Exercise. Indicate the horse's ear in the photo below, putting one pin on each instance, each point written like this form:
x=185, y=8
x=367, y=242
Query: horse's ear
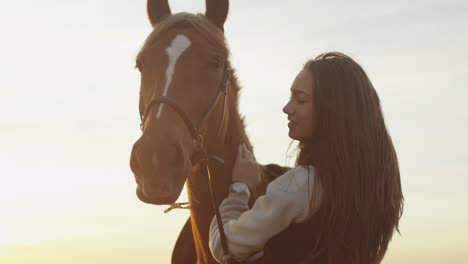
x=157, y=10
x=216, y=11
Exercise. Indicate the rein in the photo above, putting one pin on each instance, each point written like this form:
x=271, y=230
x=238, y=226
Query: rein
x=200, y=154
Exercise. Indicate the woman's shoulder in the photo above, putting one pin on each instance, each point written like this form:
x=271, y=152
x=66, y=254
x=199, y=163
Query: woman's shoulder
x=300, y=172
x=304, y=170
x=294, y=180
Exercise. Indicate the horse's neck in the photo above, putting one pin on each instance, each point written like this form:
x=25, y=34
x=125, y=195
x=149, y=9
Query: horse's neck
x=201, y=212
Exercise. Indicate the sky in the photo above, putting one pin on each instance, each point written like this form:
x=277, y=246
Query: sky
x=69, y=117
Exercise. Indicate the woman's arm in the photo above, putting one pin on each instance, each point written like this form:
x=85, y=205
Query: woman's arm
x=247, y=231
x=269, y=173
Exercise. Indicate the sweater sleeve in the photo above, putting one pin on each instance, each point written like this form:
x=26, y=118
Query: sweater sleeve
x=286, y=201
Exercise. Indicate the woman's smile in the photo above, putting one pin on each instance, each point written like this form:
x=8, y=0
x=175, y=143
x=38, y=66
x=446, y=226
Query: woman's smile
x=292, y=124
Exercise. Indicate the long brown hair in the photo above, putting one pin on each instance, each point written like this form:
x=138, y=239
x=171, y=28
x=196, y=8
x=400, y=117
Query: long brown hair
x=356, y=164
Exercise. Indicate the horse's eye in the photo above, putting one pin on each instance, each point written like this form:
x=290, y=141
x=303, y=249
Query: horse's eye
x=216, y=63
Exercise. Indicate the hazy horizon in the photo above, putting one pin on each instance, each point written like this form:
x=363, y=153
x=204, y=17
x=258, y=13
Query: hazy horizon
x=69, y=117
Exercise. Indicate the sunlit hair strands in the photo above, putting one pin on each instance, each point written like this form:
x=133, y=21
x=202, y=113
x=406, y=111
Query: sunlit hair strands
x=356, y=164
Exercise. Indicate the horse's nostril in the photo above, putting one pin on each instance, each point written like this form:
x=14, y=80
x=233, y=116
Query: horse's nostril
x=140, y=160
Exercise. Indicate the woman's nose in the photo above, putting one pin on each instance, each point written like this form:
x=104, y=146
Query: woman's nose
x=287, y=109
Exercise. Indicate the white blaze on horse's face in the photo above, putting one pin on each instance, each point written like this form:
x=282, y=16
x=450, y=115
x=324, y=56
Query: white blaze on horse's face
x=178, y=46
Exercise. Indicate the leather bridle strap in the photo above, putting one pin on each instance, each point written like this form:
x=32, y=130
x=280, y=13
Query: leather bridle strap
x=226, y=258
x=167, y=100
x=190, y=125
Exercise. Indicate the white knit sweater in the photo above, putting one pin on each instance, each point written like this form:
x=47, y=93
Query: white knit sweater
x=288, y=200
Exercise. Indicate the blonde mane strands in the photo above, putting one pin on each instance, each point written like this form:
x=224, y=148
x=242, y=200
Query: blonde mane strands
x=356, y=164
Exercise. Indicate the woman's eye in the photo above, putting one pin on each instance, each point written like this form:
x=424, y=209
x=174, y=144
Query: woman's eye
x=301, y=100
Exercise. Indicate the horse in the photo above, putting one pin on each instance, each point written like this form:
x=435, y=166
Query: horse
x=187, y=79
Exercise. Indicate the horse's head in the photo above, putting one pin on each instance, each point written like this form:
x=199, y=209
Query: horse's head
x=183, y=66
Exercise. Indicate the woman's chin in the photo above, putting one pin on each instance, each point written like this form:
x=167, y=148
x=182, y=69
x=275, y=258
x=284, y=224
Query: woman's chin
x=292, y=135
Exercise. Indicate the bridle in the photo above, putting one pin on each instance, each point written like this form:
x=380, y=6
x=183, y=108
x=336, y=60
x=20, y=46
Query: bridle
x=200, y=153
x=194, y=130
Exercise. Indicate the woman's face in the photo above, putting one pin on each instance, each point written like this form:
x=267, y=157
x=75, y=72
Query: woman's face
x=300, y=108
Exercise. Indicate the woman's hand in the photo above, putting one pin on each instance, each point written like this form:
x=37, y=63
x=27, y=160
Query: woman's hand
x=246, y=169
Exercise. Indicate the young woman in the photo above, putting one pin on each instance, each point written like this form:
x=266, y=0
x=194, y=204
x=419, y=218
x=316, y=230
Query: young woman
x=345, y=191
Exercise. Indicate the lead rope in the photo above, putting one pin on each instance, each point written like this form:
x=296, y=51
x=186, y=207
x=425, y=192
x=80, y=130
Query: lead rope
x=226, y=258
x=184, y=205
